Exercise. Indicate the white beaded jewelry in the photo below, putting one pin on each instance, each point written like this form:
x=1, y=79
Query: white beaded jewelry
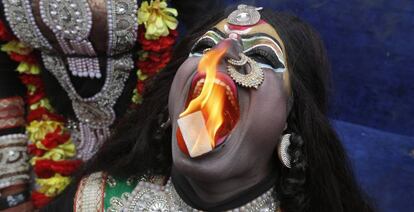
x=14, y=166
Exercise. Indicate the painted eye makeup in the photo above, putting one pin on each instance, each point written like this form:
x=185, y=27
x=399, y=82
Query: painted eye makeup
x=202, y=45
x=265, y=55
x=265, y=50
x=208, y=40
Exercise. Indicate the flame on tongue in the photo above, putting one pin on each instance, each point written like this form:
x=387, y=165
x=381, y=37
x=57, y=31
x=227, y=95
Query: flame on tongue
x=201, y=120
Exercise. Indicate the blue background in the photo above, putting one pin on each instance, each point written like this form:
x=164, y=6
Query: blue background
x=370, y=44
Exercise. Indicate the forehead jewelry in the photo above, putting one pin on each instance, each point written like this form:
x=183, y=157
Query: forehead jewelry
x=251, y=80
x=244, y=15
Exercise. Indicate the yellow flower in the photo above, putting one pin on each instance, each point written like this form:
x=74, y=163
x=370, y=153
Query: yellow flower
x=31, y=89
x=42, y=103
x=38, y=129
x=141, y=76
x=16, y=47
x=54, y=185
x=61, y=152
x=157, y=18
x=28, y=68
x=136, y=97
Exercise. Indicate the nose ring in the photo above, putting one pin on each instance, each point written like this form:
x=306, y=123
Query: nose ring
x=253, y=79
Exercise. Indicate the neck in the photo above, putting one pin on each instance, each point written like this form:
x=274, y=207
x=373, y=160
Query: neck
x=228, y=193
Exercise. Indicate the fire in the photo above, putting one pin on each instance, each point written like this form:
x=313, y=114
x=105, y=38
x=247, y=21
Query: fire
x=211, y=100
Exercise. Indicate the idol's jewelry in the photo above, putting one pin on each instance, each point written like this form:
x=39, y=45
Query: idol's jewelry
x=72, y=30
x=95, y=114
x=152, y=197
x=241, y=62
x=22, y=22
x=253, y=79
x=244, y=15
x=14, y=199
x=11, y=102
x=11, y=112
x=12, y=122
x=14, y=166
x=122, y=25
x=71, y=22
x=283, y=150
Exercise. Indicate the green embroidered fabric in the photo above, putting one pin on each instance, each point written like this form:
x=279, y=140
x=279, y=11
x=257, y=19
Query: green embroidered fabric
x=117, y=189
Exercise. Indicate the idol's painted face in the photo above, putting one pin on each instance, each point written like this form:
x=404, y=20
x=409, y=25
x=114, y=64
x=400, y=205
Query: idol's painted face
x=253, y=118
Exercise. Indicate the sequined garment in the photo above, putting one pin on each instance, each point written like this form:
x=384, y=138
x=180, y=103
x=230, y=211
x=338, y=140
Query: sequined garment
x=151, y=196
x=85, y=39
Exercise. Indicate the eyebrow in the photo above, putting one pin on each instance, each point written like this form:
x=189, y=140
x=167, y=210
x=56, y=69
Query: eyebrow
x=222, y=34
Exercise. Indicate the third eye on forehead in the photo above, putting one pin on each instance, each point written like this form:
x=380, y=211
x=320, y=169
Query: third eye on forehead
x=259, y=46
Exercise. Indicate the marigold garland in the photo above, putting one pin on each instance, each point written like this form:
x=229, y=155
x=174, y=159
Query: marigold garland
x=50, y=146
x=157, y=18
x=48, y=139
x=156, y=35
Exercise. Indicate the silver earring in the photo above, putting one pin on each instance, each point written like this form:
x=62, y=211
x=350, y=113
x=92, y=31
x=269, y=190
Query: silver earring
x=282, y=150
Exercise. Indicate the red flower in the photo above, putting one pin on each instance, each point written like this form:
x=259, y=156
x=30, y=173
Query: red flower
x=30, y=58
x=33, y=150
x=47, y=168
x=140, y=87
x=159, y=45
x=5, y=35
x=55, y=138
x=42, y=113
x=34, y=80
x=39, y=200
x=37, y=96
x=154, y=63
x=168, y=41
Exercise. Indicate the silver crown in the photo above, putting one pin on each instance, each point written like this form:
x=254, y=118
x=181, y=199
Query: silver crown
x=244, y=15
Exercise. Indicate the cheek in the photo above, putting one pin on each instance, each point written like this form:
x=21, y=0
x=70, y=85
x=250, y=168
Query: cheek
x=182, y=76
x=270, y=102
x=185, y=71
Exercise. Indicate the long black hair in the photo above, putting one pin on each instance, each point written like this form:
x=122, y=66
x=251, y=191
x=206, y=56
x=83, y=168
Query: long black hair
x=320, y=178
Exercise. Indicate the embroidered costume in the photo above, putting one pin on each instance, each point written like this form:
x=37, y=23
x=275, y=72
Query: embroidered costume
x=100, y=192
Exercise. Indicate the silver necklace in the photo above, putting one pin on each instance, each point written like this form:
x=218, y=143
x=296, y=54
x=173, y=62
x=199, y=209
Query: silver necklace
x=122, y=25
x=95, y=114
x=152, y=197
x=20, y=17
x=71, y=22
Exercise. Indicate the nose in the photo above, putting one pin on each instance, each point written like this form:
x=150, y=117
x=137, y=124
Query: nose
x=234, y=49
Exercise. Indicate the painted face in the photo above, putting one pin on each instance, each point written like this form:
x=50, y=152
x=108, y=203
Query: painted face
x=254, y=118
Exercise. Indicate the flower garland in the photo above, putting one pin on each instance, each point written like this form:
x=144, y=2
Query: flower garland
x=49, y=142
x=156, y=35
x=50, y=145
